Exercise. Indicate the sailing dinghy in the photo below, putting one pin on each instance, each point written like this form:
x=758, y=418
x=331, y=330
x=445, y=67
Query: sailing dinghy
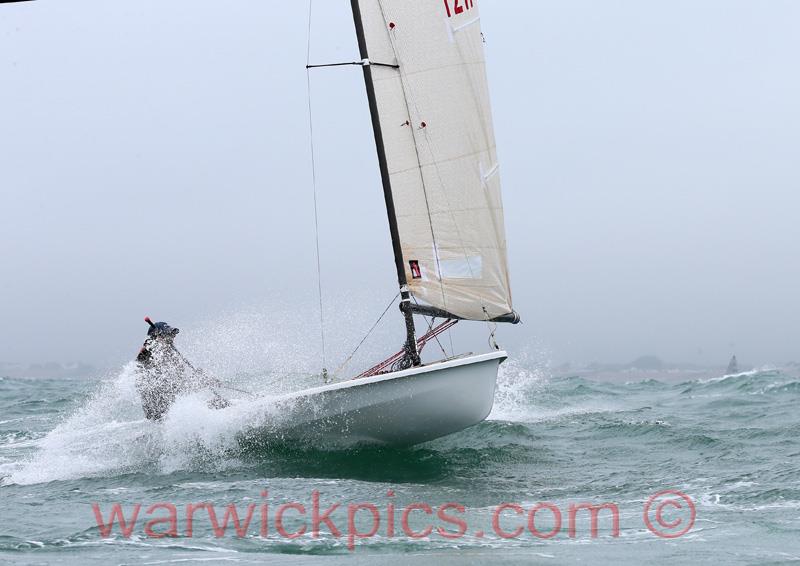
x=425, y=77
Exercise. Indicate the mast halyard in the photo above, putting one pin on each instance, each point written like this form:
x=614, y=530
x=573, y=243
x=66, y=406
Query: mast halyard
x=411, y=357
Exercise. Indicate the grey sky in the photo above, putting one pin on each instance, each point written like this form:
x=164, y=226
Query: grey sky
x=154, y=160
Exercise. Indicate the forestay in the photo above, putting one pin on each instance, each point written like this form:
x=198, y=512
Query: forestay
x=437, y=130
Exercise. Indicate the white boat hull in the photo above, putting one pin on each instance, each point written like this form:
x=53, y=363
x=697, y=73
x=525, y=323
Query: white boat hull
x=399, y=409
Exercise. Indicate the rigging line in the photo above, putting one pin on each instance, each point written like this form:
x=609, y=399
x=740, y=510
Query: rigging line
x=332, y=65
x=374, y=326
x=436, y=336
x=314, y=186
x=450, y=336
x=218, y=381
x=359, y=63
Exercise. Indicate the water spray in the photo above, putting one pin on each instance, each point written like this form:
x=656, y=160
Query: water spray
x=218, y=381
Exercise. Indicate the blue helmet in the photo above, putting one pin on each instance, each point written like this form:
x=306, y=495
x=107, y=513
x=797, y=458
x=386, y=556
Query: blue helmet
x=160, y=329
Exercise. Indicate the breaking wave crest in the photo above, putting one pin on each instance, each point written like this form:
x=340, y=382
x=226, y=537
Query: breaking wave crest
x=109, y=435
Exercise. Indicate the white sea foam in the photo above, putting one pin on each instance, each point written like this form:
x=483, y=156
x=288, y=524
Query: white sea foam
x=519, y=383
x=750, y=373
x=525, y=393
x=109, y=434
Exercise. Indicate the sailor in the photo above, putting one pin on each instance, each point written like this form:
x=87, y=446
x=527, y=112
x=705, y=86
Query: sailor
x=163, y=373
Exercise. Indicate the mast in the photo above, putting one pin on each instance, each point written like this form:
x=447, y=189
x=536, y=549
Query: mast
x=410, y=347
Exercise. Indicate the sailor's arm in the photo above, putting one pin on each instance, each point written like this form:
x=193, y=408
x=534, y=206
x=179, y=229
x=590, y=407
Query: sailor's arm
x=145, y=355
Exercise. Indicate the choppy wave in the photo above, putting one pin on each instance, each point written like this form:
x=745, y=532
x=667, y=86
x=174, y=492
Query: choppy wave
x=106, y=435
x=732, y=443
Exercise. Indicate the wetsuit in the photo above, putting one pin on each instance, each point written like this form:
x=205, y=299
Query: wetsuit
x=162, y=375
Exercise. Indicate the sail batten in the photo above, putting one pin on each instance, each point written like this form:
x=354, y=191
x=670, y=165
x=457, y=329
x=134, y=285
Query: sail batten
x=443, y=172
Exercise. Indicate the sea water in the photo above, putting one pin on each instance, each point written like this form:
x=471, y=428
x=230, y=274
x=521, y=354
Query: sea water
x=518, y=488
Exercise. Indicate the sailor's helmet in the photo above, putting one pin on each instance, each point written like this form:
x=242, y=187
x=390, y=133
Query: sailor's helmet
x=160, y=329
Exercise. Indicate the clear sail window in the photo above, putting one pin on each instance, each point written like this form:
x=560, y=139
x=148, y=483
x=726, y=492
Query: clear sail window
x=470, y=267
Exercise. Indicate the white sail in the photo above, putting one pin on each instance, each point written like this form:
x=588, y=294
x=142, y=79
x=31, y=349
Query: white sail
x=439, y=142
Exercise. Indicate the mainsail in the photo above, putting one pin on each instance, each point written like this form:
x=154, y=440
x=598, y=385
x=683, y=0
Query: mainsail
x=432, y=117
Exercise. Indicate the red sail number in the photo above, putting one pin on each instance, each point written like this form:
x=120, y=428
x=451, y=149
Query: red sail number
x=455, y=7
